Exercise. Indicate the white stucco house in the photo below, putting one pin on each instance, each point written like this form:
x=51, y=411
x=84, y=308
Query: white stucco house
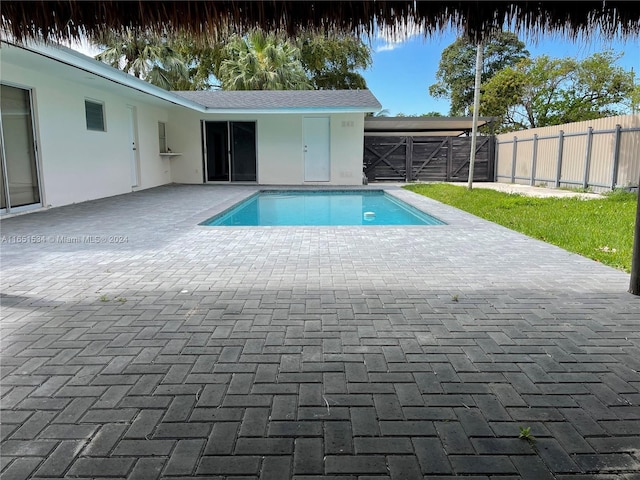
x=74, y=129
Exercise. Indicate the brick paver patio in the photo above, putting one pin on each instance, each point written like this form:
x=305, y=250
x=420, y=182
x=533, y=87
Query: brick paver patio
x=180, y=351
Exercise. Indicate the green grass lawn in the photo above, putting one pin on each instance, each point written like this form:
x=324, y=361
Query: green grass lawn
x=598, y=229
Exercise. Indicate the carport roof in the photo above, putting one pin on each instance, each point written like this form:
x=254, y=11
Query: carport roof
x=421, y=126
x=252, y=100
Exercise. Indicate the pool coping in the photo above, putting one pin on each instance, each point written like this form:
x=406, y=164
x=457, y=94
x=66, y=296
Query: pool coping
x=403, y=203
x=451, y=216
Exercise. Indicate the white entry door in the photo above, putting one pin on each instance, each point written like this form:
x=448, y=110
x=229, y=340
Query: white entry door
x=317, y=158
x=133, y=146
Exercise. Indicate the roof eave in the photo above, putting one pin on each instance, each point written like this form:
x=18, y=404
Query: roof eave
x=292, y=110
x=87, y=64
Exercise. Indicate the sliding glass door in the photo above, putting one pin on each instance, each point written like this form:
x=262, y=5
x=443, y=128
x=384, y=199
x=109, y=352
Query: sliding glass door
x=230, y=151
x=19, y=176
x=217, y=151
x=243, y=151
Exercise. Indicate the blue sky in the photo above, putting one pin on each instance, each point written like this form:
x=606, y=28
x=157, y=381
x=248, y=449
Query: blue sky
x=402, y=72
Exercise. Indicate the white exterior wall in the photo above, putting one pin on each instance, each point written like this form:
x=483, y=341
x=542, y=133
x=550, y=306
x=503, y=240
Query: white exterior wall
x=77, y=164
x=347, y=148
x=280, y=147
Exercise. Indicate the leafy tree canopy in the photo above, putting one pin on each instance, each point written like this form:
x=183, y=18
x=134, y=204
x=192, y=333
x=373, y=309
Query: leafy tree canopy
x=456, y=70
x=332, y=61
x=146, y=56
x=203, y=60
x=551, y=91
x=327, y=61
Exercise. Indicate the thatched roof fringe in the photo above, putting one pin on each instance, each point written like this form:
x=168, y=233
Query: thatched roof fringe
x=69, y=19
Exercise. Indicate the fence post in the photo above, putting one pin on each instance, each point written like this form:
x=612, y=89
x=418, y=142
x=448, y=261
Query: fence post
x=513, y=159
x=534, y=160
x=559, y=162
x=616, y=157
x=587, y=159
x=408, y=173
x=449, y=158
x=492, y=157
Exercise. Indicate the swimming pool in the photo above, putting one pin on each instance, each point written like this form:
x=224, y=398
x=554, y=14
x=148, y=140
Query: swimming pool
x=321, y=208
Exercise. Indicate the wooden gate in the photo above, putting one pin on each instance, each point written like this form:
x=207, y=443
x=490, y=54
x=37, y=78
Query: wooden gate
x=443, y=159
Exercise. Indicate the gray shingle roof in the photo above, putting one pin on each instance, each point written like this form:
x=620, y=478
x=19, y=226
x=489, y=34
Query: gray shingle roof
x=286, y=99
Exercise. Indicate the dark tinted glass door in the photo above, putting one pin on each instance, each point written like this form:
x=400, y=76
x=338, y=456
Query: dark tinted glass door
x=243, y=151
x=217, y=137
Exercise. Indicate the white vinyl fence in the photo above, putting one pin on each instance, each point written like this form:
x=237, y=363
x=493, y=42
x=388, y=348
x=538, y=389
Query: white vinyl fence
x=599, y=154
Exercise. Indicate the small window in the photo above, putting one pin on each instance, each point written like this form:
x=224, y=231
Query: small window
x=162, y=136
x=95, y=115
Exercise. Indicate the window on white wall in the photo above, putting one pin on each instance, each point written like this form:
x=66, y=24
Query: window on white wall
x=94, y=112
x=162, y=136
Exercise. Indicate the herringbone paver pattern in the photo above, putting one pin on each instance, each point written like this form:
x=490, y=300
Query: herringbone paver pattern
x=275, y=353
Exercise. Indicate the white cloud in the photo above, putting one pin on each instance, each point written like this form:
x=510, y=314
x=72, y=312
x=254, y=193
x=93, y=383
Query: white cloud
x=387, y=47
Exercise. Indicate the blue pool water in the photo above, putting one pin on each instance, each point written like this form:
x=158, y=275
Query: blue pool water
x=326, y=208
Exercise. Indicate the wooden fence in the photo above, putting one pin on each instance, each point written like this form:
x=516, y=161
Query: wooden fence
x=423, y=158
x=599, y=155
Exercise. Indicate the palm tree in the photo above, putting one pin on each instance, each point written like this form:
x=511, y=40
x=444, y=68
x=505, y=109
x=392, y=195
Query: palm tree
x=261, y=61
x=146, y=56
